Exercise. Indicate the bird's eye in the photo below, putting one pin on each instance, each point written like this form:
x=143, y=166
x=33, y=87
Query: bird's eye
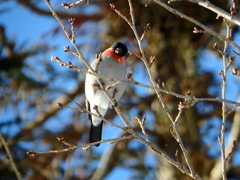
x=118, y=51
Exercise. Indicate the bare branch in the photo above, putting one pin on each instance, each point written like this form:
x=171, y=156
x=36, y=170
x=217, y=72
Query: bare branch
x=141, y=123
x=177, y=136
x=220, y=12
x=78, y=16
x=232, y=150
x=234, y=137
x=168, y=158
x=62, y=140
x=69, y=5
x=10, y=159
x=98, y=115
x=84, y=147
x=134, y=82
x=208, y=30
x=224, y=113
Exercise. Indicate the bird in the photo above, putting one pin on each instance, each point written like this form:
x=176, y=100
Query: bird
x=110, y=64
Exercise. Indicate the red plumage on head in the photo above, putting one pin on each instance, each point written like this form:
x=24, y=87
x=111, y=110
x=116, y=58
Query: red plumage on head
x=110, y=52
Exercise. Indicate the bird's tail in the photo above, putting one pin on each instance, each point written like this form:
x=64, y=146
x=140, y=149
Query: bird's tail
x=95, y=133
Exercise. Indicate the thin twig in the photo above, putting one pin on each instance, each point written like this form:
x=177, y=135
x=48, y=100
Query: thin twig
x=232, y=150
x=9, y=156
x=84, y=110
x=180, y=142
x=176, y=163
x=69, y=5
x=83, y=146
x=62, y=140
x=224, y=108
x=220, y=12
x=134, y=82
x=230, y=147
x=174, y=11
x=141, y=123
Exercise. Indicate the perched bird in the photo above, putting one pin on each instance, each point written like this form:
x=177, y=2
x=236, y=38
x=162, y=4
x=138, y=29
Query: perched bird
x=110, y=64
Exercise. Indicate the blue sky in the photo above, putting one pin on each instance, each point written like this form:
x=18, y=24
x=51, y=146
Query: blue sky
x=22, y=24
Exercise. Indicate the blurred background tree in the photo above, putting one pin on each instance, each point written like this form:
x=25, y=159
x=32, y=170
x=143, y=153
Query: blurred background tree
x=32, y=85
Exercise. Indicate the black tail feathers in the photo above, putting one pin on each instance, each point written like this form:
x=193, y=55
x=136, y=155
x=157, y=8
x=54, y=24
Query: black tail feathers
x=95, y=133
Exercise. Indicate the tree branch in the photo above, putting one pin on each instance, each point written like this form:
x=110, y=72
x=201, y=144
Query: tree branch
x=234, y=137
x=220, y=12
x=208, y=30
x=85, y=147
x=224, y=113
x=80, y=17
x=10, y=159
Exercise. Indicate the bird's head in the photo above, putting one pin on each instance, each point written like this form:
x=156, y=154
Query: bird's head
x=118, y=51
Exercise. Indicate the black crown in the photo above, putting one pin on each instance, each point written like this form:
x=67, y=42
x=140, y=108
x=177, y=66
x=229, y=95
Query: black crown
x=120, y=49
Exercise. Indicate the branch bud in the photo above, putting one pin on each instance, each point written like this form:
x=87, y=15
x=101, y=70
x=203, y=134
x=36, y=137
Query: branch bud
x=112, y=6
x=66, y=5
